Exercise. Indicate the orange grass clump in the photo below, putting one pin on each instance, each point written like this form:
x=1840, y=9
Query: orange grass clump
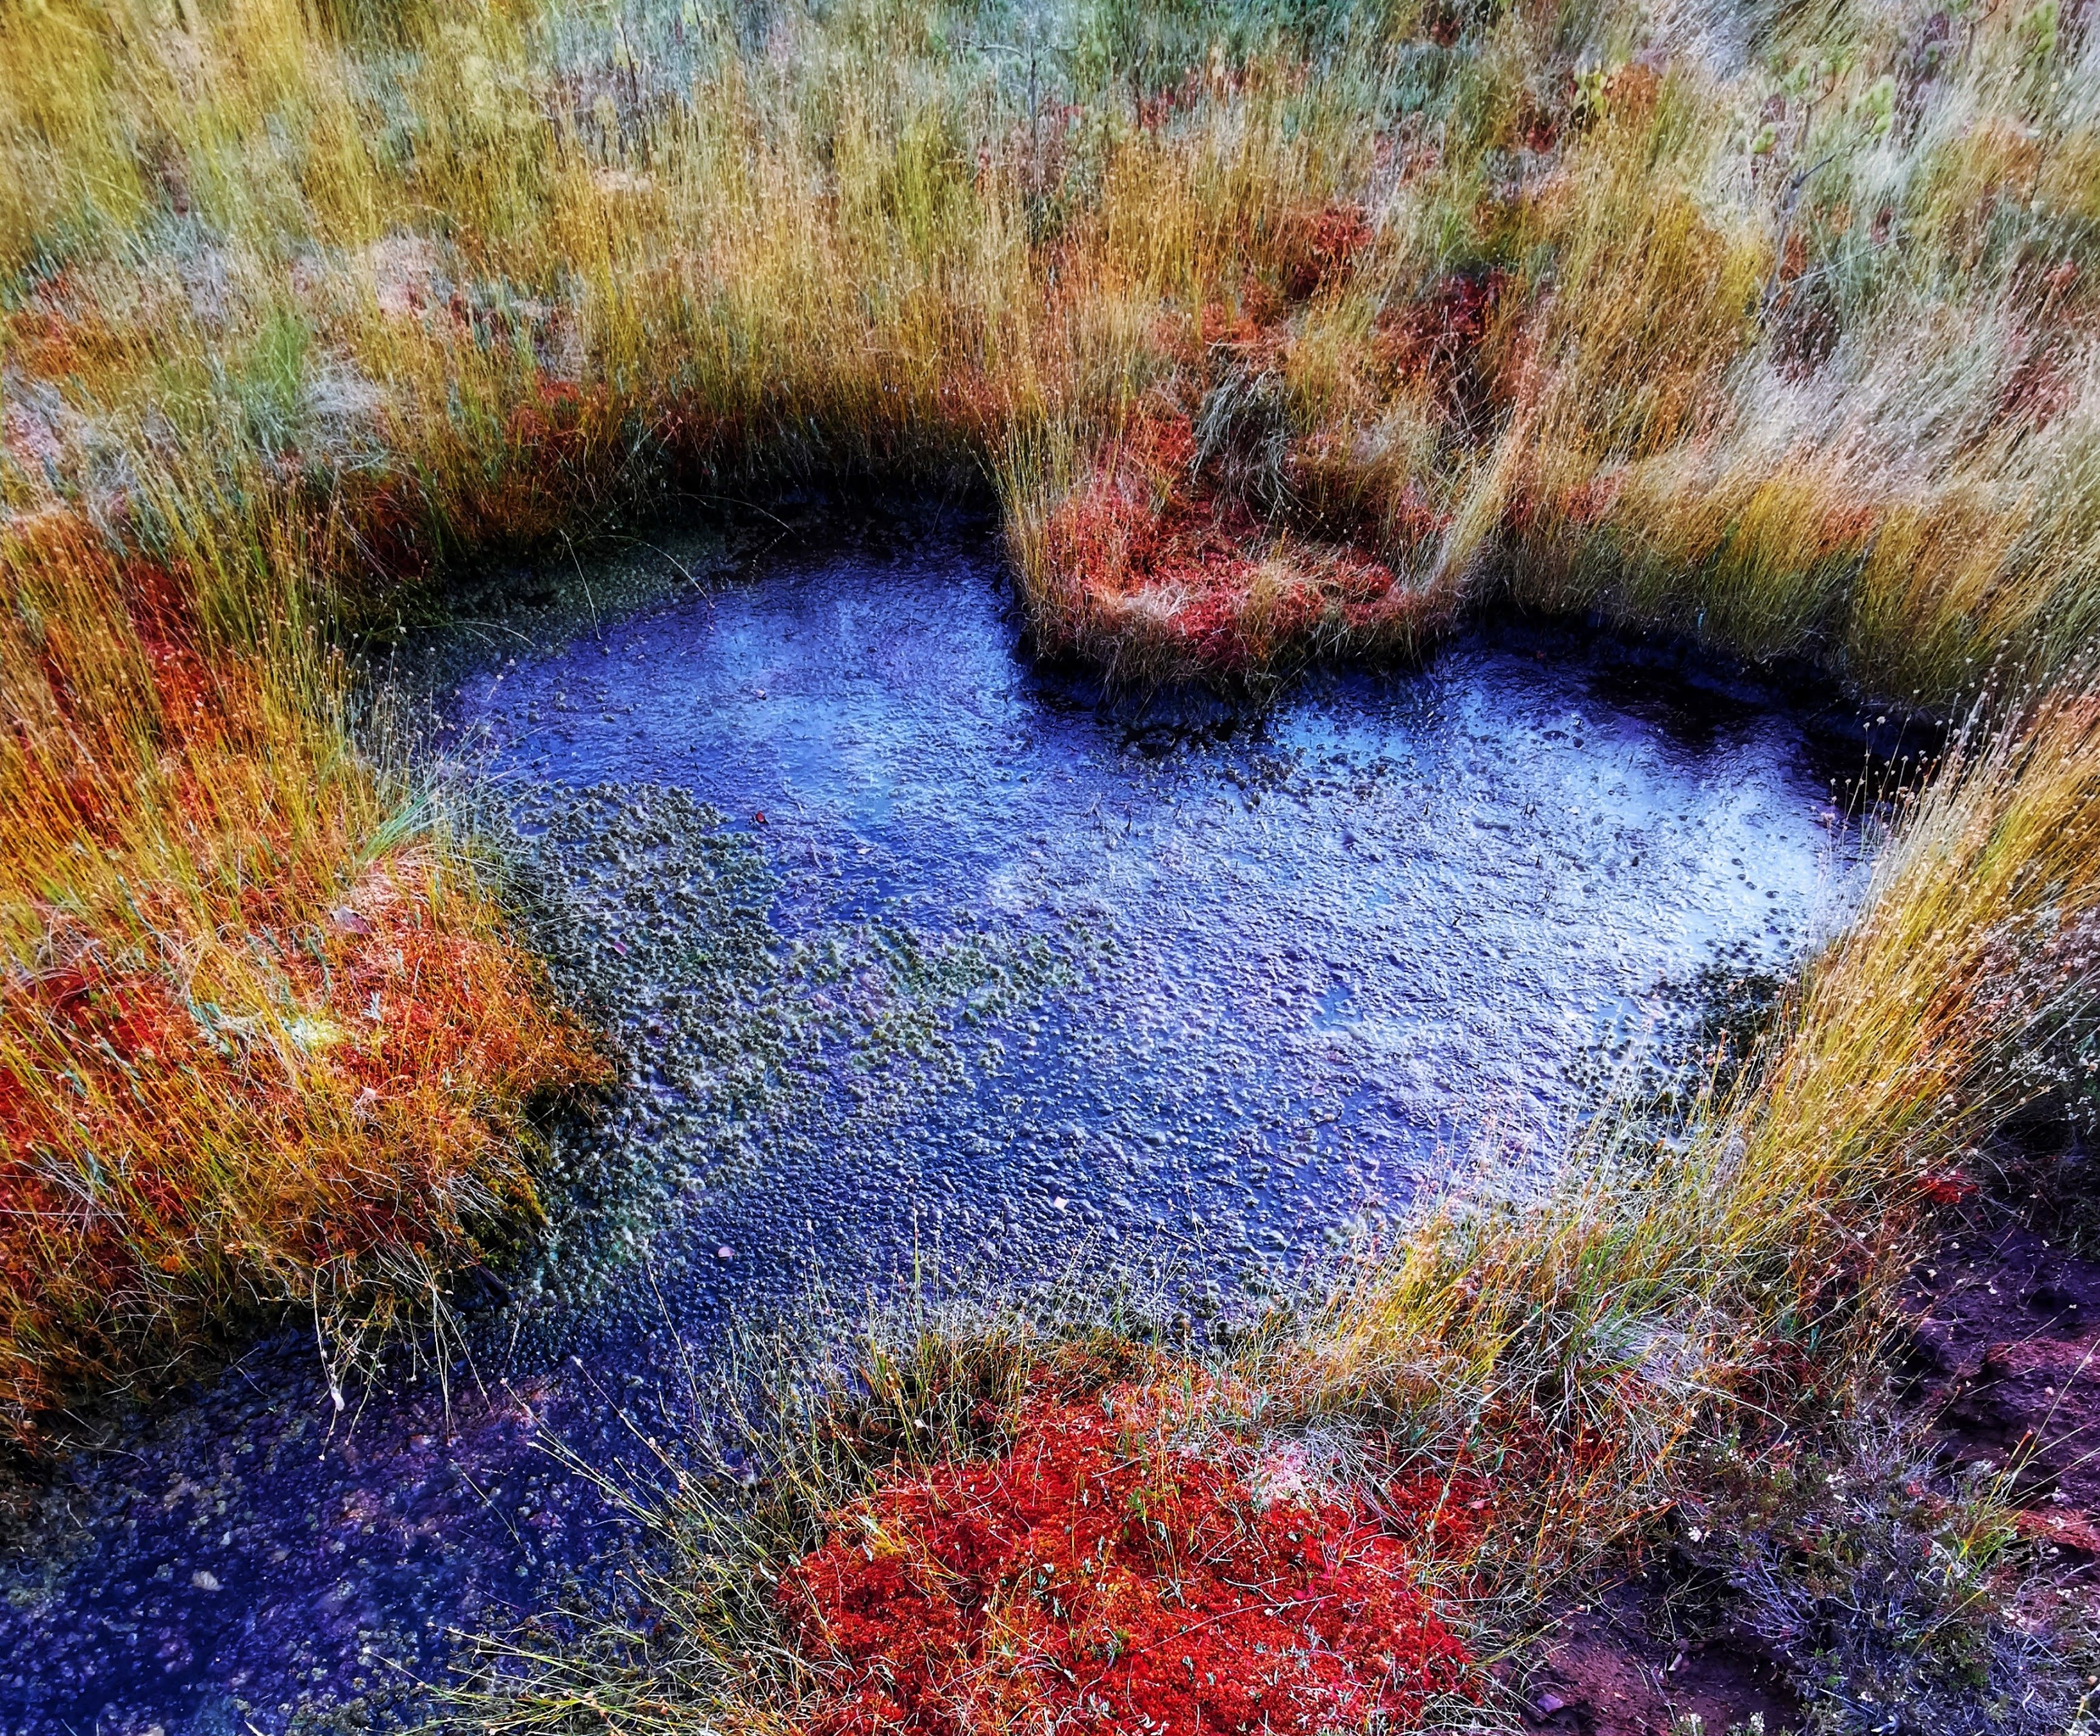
x=253, y=1048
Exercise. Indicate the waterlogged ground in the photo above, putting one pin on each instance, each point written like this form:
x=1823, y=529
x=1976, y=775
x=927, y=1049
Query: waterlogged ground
x=923, y=960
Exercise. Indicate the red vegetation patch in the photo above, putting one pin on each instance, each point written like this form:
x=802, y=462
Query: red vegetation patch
x=158, y=1151
x=1095, y=1575
x=1538, y=128
x=1319, y=247
x=1444, y=21
x=1147, y=554
x=1437, y=338
x=1159, y=108
x=1948, y=1187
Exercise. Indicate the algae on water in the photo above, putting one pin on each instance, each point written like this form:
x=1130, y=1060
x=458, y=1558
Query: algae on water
x=657, y=916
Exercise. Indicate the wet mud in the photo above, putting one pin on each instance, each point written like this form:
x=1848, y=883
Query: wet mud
x=926, y=966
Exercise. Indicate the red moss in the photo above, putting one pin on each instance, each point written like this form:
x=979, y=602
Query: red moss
x=215, y=1162
x=1443, y=22
x=1096, y=1575
x=1319, y=247
x=1145, y=550
x=1538, y=128
x=2044, y=385
x=1159, y=108
x=1437, y=338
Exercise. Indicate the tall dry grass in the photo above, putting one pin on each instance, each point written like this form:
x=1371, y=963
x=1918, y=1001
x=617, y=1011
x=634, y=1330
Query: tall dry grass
x=1781, y=327
x=263, y=1036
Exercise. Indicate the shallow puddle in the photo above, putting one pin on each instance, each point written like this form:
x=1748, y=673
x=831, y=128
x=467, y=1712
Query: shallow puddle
x=924, y=960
